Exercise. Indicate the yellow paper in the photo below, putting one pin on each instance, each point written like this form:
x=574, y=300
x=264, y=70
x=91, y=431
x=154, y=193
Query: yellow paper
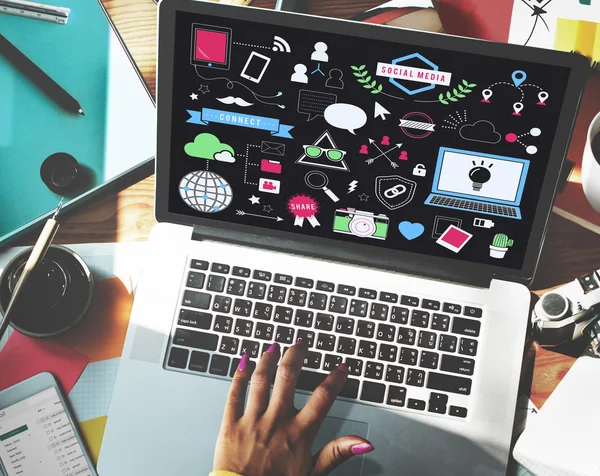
x=92, y=432
x=580, y=36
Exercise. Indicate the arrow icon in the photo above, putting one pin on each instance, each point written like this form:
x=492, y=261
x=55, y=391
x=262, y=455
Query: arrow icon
x=383, y=154
x=380, y=111
x=242, y=213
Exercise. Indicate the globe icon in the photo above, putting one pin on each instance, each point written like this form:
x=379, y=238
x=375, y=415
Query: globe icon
x=205, y=191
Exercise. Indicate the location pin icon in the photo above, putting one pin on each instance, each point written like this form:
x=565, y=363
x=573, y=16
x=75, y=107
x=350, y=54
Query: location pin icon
x=542, y=97
x=519, y=77
x=487, y=94
x=518, y=107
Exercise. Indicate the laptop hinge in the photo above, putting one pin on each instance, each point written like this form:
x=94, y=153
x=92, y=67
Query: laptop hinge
x=414, y=267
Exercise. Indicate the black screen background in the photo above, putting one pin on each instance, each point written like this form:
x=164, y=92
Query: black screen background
x=343, y=52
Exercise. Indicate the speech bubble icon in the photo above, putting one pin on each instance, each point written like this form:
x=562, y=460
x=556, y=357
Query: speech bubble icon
x=314, y=103
x=345, y=116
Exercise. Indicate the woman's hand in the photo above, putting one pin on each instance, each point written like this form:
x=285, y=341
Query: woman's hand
x=270, y=437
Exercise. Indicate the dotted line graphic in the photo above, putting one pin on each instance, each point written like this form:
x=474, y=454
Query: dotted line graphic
x=455, y=121
x=512, y=86
x=531, y=86
x=252, y=46
x=246, y=164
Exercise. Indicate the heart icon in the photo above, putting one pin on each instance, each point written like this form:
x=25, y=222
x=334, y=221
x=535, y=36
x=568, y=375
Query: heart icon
x=410, y=231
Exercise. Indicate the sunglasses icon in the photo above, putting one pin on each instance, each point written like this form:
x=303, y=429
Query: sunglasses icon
x=314, y=151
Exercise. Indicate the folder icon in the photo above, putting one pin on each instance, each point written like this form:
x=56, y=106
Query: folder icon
x=270, y=166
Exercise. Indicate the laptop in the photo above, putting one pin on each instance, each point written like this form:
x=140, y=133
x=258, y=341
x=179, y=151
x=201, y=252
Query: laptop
x=479, y=183
x=295, y=155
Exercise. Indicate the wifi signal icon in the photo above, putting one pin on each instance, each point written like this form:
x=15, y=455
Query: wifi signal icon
x=279, y=44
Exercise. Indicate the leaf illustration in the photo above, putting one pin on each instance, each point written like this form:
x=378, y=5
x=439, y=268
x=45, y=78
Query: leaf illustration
x=358, y=75
x=375, y=91
x=355, y=68
x=367, y=86
x=472, y=85
x=460, y=87
x=460, y=95
x=362, y=81
x=374, y=83
x=465, y=82
x=379, y=88
x=448, y=95
x=454, y=91
x=467, y=90
x=362, y=67
x=444, y=102
x=441, y=97
x=453, y=99
x=368, y=78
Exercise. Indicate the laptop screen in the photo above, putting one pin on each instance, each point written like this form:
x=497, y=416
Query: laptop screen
x=388, y=145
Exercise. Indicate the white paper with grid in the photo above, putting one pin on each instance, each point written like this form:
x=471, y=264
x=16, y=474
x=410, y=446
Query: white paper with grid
x=90, y=397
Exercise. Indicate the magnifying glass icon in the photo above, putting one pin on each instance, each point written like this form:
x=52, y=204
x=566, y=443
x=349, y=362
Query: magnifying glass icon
x=318, y=180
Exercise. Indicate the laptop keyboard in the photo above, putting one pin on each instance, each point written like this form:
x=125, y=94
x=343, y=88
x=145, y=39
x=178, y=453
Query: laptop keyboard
x=406, y=352
x=474, y=206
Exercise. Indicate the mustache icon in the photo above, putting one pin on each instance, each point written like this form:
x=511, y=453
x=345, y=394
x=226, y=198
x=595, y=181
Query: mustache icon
x=235, y=100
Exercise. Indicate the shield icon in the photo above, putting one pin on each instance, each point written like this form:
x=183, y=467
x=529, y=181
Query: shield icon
x=394, y=191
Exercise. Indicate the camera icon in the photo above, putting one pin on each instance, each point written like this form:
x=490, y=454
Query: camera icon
x=350, y=221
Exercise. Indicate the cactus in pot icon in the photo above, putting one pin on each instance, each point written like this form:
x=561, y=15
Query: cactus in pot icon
x=500, y=246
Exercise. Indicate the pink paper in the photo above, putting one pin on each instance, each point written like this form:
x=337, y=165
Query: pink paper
x=23, y=357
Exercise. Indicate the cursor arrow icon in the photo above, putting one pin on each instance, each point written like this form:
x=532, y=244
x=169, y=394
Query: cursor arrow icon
x=380, y=111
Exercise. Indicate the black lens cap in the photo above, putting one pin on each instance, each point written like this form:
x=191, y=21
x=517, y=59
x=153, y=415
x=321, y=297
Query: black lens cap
x=60, y=172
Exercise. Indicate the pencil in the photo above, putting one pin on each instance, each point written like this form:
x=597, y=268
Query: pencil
x=38, y=77
x=37, y=255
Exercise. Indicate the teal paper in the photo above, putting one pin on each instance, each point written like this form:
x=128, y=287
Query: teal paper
x=33, y=126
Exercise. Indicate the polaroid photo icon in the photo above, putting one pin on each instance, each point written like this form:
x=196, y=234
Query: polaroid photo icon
x=211, y=46
x=454, y=239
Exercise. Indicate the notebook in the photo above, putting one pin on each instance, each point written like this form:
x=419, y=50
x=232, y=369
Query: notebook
x=563, y=439
x=116, y=135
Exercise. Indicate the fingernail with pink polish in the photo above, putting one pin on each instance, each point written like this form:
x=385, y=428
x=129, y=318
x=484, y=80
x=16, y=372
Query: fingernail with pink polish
x=243, y=362
x=273, y=347
x=362, y=449
x=343, y=367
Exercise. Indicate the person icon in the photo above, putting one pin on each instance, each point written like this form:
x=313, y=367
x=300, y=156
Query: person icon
x=364, y=150
x=335, y=79
x=320, y=53
x=403, y=155
x=299, y=75
x=385, y=140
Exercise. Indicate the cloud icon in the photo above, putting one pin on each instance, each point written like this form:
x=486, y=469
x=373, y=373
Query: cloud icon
x=225, y=156
x=207, y=146
x=481, y=131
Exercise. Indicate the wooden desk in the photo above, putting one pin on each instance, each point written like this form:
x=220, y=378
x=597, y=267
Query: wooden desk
x=569, y=251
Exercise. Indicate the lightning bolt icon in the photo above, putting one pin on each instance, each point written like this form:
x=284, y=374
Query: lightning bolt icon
x=352, y=186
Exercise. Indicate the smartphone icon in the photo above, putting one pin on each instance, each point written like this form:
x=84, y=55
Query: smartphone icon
x=255, y=67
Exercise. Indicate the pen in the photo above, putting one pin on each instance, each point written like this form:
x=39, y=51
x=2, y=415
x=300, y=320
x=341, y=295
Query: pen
x=37, y=255
x=38, y=77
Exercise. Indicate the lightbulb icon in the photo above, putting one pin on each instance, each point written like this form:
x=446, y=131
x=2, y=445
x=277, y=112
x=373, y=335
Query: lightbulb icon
x=479, y=175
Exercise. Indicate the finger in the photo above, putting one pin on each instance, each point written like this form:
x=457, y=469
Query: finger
x=289, y=368
x=234, y=406
x=336, y=452
x=260, y=384
x=323, y=397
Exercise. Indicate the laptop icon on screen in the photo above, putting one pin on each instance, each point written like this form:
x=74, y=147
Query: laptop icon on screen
x=479, y=183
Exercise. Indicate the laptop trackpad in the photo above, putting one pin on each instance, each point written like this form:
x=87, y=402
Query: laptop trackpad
x=333, y=428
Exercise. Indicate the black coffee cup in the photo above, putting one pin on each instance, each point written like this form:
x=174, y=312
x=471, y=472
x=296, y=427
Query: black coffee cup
x=55, y=298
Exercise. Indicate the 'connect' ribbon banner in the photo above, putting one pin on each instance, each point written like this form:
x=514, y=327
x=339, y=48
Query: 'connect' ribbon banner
x=218, y=116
